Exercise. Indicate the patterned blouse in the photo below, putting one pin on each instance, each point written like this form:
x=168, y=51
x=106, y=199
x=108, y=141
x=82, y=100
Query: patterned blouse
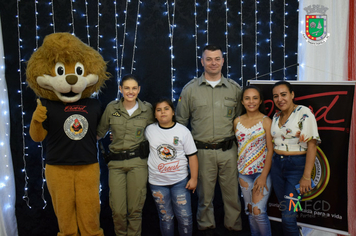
x=301, y=122
x=252, y=149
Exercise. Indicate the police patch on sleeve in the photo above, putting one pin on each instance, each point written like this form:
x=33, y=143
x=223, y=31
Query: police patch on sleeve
x=76, y=127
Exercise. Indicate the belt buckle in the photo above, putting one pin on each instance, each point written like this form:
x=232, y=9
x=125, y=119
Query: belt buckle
x=125, y=155
x=213, y=145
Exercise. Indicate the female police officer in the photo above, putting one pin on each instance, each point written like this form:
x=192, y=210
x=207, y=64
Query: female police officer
x=127, y=162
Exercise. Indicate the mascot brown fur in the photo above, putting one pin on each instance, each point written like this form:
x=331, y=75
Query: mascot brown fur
x=64, y=72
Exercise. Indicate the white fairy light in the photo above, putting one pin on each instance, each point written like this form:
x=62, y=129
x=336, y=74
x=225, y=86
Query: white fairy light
x=36, y=24
x=207, y=21
x=52, y=14
x=72, y=15
x=123, y=45
x=227, y=40
x=171, y=26
x=87, y=21
x=256, y=40
x=20, y=91
x=135, y=37
x=98, y=28
x=241, y=44
x=196, y=39
x=117, y=50
x=284, y=39
x=270, y=40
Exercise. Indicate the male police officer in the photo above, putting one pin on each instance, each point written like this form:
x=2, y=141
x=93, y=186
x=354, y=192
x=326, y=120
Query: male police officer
x=211, y=102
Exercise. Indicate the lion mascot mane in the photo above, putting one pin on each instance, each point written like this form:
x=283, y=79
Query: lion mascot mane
x=64, y=72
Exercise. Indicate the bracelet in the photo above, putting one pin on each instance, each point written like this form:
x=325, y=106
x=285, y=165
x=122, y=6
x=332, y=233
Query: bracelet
x=305, y=178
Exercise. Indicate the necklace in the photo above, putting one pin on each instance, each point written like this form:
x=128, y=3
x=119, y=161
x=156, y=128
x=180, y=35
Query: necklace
x=280, y=123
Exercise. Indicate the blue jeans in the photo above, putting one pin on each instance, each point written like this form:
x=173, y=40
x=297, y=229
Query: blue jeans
x=259, y=224
x=173, y=200
x=286, y=171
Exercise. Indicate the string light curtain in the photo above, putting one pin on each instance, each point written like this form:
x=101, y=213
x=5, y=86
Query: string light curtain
x=250, y=60
x=257, y=44
x=8, y=224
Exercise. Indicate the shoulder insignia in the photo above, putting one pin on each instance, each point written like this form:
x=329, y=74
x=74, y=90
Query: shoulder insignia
x=231, y=81
x=117, y=114
x=190, y=82
x=147, y=103
x=114, y=102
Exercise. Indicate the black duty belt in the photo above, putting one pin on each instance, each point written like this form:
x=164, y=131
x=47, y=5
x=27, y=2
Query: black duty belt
x=142, y=151
x=202, y=145
x=224, y=145
x=125, y=155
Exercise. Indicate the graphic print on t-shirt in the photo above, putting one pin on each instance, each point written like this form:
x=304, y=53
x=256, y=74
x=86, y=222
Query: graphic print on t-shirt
x=166, y=152
x=75, y=127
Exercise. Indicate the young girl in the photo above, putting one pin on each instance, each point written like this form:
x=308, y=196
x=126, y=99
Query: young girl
x=170, y=145
x=255, y=150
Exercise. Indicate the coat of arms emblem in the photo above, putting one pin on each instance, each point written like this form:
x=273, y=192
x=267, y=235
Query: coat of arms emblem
x=316, y=24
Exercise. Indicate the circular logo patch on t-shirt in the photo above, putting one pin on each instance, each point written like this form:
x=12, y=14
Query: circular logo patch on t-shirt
x=166, y=152
x=76, y=127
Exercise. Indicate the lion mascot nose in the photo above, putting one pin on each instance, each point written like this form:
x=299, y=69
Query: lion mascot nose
x=71, y=79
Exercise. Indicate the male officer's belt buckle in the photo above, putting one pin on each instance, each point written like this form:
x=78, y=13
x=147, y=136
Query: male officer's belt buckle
x=127, y=154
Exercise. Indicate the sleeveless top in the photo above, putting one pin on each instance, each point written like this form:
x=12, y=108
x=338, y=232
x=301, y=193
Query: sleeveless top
x=252, y=148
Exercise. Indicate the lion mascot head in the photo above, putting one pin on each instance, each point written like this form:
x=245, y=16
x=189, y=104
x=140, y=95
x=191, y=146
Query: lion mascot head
x=65, y=69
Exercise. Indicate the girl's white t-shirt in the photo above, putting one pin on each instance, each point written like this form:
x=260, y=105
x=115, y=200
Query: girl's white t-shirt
x=169, y=148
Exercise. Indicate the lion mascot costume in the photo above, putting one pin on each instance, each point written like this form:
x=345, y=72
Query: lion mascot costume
x=64, y=72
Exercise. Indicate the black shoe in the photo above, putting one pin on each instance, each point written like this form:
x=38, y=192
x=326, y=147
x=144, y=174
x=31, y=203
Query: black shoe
x=233, y=233
x=207, y=232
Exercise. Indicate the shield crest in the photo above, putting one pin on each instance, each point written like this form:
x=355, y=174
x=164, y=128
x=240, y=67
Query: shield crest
x=315, y=27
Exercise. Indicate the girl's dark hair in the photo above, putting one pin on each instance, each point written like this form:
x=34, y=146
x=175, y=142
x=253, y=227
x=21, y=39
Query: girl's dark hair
x=283, y=82
x=128, y=77
x=169, y=102
x=261, y=108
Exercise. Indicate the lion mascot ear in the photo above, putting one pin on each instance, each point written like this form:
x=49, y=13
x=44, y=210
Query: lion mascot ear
x=63, y=69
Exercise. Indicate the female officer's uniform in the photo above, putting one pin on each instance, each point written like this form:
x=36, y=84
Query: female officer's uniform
x=127, y=163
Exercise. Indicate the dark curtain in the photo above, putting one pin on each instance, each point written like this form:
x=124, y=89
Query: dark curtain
x=153, y=66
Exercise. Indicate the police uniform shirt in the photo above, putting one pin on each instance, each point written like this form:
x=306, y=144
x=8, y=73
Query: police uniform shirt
x=127, y=131
x=211, y=110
